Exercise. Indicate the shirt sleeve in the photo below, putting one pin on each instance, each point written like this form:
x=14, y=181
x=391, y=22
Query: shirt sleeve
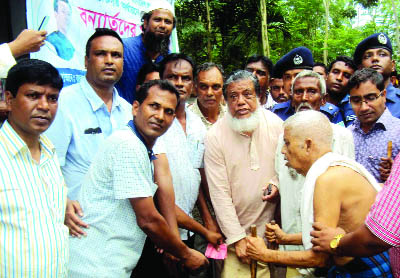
x=383, y=219
x=220, y=191
x=132, y=171
x=7, y=60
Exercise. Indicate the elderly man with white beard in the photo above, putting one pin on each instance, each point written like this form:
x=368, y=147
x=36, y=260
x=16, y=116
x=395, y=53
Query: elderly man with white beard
x=239, y=161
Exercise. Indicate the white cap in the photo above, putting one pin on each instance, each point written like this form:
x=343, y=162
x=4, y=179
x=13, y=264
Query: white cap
x=160, y=4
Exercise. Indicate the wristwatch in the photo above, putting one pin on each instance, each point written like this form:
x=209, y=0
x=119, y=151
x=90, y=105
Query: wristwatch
x=335, y=242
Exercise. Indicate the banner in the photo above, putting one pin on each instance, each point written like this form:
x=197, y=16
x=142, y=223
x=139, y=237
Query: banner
x=69, y=24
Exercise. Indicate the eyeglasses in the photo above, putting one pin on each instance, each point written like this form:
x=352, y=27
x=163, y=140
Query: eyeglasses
x=357, y=100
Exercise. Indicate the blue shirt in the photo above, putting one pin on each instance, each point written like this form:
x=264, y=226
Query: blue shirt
x=134, y=58
x=81, y=125
x=284, y=110
x=371, y=146
x=392, y=103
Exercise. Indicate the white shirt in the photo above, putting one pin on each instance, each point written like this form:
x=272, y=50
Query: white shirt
x=185, y=156
x=114, y=242
x=7, y=60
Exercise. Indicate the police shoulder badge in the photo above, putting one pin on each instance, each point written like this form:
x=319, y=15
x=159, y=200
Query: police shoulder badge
x=297, y=60
x=382, y=39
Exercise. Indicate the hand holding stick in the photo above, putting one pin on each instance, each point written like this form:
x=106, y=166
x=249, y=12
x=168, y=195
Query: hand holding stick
x=253, y=264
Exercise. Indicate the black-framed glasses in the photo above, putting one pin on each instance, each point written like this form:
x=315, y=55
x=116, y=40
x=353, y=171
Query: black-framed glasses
x=358, y=100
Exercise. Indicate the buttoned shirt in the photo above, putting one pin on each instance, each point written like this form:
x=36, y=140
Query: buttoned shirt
x=194, y=107
x=371, y=146
x=7, y=60
x=121, y=170
x=81, y=125
x=383, y=219
x=33, y=195
x=291, y=183
x=185, y=156
x=237, y=168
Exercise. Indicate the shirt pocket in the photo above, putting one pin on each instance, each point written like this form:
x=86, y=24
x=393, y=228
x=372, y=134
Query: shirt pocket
x=196, y=152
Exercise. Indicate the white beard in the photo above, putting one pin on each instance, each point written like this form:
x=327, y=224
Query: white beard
x=247, y=124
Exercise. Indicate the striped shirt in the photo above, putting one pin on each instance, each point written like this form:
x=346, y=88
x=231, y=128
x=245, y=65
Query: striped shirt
x=33, y=237
x=383, y=219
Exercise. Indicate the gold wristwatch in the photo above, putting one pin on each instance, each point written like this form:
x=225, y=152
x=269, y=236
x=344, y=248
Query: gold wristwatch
x=335, y=242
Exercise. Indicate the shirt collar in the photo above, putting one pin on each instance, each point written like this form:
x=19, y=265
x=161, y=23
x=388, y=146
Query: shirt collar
x=15, y=144
x=94, y=100
x=384, y=122
x=150, y=152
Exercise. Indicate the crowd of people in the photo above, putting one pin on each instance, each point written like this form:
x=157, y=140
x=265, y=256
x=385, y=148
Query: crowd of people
x=150, y=160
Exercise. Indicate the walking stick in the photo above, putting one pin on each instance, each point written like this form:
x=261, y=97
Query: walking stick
x=273, y=246
x=389, y=149
x=253, y=264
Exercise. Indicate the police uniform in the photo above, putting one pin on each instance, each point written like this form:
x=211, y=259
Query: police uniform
x=298, y=58
x=284, y=110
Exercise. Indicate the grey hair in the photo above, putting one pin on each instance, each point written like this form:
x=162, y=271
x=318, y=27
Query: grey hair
x=310, y=73
x=208, y=66
x=310, y=124
x=240, y=75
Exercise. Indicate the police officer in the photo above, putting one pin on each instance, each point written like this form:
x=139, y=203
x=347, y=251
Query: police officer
x=287, y=68
x=376, y=52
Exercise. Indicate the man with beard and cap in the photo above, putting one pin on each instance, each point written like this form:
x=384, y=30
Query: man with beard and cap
x=308, y=94
x=340, y=71
x=376, y=52
x=261, y=67
x=239, y=162
x=150, y=46
x=287, y=68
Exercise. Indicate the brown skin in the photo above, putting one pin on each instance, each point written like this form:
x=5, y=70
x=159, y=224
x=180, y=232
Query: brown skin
x=307, y=90
x=150, y=76
x=335, y=202
x=380, y=60
x=277, y=91
x=26, y=42
x=320, y=70
x=104, y=66
x=31, y=112
x=241, y=98
x=209, y=93
x=261, y=72
x=288, y=78
x=337, y=80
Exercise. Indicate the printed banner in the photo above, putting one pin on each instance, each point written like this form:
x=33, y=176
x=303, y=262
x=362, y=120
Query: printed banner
x=69, y=24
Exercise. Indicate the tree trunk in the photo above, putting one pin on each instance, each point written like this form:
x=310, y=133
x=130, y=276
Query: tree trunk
x=208, y=32
x=396, y=18
x=264, y=28
x=326, y=5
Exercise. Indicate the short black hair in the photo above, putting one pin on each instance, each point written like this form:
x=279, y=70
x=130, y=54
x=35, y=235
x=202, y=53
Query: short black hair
x=172, y=57
x=147, y=16
x=364, y=75
x=264, y=60
x=145, y=70
x=56, y=4
x=143, y=91
x=346, y=60
x=32, y=71
x=99, y=33
x=208, y=66
x=322, y=65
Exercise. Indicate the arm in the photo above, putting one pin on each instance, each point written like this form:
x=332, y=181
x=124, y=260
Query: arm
x=156, y=227
x=73, y=214
x=26, y=42
x=186, y=222
x=165, y=194
x=275, y=234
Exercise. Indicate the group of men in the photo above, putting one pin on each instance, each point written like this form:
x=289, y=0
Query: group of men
x=145, y=182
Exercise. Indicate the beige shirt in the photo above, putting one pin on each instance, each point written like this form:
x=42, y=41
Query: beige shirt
x=237, y=168
x=194, y=107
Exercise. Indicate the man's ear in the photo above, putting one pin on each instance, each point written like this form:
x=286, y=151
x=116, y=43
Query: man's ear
x=86, y=61
x=9, y=100
x=135, y=108
x=308, y=144
x=323, y=99
x=145, y=22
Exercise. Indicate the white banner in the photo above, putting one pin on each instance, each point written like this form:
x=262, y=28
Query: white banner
x=69, y=24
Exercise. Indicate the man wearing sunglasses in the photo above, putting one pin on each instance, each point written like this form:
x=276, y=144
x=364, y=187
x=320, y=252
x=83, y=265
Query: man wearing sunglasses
x=375, y=125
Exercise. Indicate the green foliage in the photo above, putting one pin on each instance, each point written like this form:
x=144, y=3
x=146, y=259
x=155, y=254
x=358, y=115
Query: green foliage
x=236, y=28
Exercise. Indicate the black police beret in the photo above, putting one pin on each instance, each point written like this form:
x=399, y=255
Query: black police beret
x=298, y=58
x=378, y=40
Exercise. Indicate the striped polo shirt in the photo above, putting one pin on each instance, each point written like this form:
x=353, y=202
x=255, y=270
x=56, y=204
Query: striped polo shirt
x=33, y=237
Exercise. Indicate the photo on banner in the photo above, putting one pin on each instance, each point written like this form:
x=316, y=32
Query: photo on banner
x=69, y=24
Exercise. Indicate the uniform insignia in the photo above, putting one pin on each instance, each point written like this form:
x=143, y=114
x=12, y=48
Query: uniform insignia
x=297, y=60
x=330, y=107
x=382, y=39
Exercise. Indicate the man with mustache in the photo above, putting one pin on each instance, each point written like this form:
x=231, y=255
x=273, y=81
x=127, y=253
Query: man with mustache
x=32, y=188
x=287, y=68
x=308, y=93
x=376, y=52
x=239, y=161
x=277, y=91
x=88, y=113
x=150, y=46
x=375, y=125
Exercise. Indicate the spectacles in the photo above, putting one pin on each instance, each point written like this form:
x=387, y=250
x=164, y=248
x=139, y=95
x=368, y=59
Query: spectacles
x=357, y=100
